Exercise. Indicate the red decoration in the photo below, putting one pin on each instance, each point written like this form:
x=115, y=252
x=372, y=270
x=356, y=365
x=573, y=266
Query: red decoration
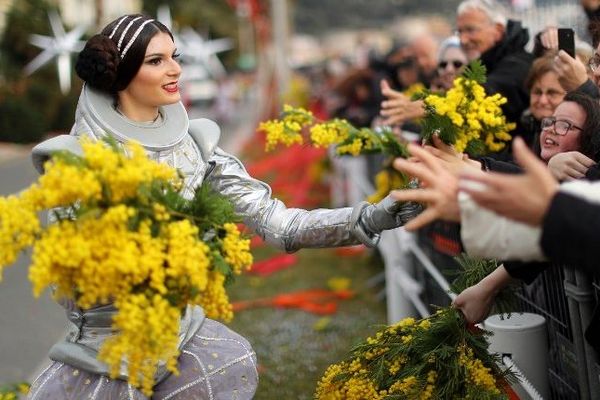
x=277, y=263
x=316, y=301
x=350, y=251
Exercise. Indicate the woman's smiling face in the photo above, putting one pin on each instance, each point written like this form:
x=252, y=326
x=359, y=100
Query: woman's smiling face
x=545, y=95
x=156, y=82
x=552, y=143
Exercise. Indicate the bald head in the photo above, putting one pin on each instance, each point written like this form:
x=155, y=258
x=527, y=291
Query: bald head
x=425, y=50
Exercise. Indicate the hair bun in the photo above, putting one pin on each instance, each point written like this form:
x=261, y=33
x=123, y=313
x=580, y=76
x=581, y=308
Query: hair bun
x=98, y=62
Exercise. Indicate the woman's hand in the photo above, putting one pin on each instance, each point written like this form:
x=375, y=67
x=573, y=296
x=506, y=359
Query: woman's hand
x=439, y=188
x=398, y=108
x=524, y=198
x=549, y=38
x=454, y=162
x=569, y=166
x=476, y=301
x=571, y=72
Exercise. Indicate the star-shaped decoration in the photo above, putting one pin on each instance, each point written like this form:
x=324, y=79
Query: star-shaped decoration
x=61, y=45
x=194, y=49
x=197, y=50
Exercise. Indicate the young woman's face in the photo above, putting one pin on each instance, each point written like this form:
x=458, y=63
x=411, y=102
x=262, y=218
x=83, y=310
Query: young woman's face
x=545, y=95
x=156, y=82
x=551, y=142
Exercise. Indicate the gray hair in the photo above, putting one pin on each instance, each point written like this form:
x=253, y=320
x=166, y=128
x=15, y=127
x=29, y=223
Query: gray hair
x=490, y=8
x=449, y=42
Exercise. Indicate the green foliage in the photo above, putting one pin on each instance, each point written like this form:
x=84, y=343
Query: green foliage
x=473, y=271
x=475, y=71
x=24, y=18
x=373, y=141
x=31, y=106
x=440, y=124
x=390, y=145
x=20, y=122
x=208, y=205
x=440, y=343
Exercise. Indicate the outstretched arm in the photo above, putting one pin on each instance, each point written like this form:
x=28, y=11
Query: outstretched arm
x=476, y=301
x=398, y=108
x=293, y=228
x=524, y=198
x=439, y=188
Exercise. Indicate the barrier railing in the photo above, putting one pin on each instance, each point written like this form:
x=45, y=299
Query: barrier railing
x=565, y=298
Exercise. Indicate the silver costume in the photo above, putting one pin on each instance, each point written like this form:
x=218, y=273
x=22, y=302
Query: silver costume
x=191, y=147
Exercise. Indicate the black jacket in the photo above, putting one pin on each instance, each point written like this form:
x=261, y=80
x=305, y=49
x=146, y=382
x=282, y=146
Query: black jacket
x=507, y=65
x=572, y=237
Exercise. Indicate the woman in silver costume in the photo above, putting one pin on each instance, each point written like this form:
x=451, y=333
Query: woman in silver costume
x=131, y=93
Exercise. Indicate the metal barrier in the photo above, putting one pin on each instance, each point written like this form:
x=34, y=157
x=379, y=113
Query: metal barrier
x=564, y=297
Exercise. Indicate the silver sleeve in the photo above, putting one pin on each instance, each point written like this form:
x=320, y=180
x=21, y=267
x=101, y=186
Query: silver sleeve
x=287, y=228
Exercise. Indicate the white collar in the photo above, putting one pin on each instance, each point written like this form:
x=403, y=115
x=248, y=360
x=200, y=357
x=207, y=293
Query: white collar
x=164, y=133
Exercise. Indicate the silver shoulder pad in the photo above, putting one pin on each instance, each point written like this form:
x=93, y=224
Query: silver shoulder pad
x=43, y=151
x=206, y=134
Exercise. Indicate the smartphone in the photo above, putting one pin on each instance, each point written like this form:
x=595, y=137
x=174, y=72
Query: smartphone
x=566, y=41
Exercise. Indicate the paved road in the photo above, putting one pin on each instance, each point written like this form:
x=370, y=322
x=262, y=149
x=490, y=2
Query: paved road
x=28, y=326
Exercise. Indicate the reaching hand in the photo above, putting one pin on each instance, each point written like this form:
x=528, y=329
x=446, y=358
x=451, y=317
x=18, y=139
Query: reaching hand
x=398, y=108
x=571, y=72
x=549, y=38
x=476, y=301
x=453, y=161
x=569, y=165
x=524, y=197
x=439, y=188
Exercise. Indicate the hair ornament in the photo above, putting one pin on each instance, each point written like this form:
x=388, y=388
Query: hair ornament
x=135, y=35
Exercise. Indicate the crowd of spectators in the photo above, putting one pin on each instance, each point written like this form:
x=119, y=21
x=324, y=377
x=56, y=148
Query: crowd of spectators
x=552, y=97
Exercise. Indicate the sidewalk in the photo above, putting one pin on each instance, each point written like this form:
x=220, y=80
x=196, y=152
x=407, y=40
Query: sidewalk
x=11, y=151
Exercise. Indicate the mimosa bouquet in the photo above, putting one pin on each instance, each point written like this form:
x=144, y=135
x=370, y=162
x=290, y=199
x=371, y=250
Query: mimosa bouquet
x=296, y=125
x=438, y=357
x=465, y=116
x=124, y=234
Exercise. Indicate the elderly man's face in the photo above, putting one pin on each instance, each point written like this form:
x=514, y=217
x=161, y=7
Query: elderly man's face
x=477, y=32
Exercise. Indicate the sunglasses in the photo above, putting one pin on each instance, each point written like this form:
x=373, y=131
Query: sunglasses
x=456, y=64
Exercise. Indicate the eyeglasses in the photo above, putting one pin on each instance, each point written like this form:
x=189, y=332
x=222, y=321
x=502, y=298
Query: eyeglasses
x=455, y=63
x=561, y=127
x=594, y=62
x=467, y=30
x=552, y=94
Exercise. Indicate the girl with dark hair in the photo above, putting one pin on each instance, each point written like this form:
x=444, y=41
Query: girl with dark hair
x=572, y=130
x=131, y=92
x=574, y=126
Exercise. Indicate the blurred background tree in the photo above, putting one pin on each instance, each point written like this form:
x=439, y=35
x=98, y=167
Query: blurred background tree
x=30, y=106
x=211, y=19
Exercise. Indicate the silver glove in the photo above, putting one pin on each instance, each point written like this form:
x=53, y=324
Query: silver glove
x=372, y=219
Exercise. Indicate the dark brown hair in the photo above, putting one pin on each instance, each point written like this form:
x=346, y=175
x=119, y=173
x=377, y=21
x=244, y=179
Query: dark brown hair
x=101, y=64
x=589, y=142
